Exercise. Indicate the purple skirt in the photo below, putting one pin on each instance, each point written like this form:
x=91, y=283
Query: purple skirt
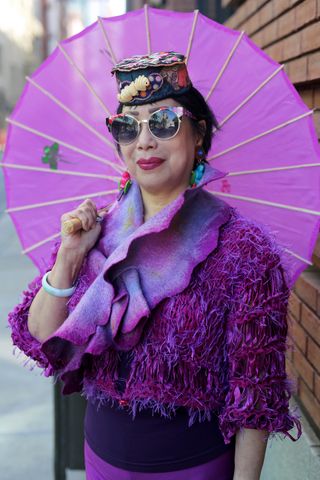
x=221, y=467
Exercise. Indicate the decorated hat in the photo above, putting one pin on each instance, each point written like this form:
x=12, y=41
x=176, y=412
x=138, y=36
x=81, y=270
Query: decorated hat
x=148, y=78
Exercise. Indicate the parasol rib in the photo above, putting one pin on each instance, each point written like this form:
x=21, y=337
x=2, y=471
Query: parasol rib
x=58, y=172
x=84, y=79
x=298, y=256
x=73, y=115
x=266, y=202
x=42, y=242
x=274, y=169
x=146, y=16
x=246, y=100
x=116, y=167
x=61, y=200
x=224, y=66
x=194, y=23
x=249, y=140
x=108, y=44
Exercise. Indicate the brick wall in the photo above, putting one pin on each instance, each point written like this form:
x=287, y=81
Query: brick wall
x=289, y=31
x=303, y=361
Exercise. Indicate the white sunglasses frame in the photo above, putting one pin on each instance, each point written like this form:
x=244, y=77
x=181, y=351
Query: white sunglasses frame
x=178, y=110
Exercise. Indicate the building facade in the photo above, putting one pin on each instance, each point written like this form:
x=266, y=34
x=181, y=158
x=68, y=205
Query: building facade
x=210, y=8
x=19, y=29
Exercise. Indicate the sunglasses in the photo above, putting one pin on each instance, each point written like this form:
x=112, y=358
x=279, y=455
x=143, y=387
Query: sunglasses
x=163, y=124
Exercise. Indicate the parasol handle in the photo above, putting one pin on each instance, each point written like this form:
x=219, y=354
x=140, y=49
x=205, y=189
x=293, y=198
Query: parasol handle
x=69, y=227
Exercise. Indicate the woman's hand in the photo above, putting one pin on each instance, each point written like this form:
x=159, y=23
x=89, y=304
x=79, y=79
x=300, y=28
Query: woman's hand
x=47, y=312
x=83, y=240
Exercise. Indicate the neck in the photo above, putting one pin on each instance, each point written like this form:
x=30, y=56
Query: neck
x=154, y=202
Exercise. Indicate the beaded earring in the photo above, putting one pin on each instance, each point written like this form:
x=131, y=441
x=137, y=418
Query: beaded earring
x=197, y=173
x=124, y=184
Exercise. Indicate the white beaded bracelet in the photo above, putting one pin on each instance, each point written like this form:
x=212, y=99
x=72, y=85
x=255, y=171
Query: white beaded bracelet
x=56, y=292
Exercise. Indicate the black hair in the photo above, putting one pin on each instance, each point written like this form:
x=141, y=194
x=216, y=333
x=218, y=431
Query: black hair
x=194, y=101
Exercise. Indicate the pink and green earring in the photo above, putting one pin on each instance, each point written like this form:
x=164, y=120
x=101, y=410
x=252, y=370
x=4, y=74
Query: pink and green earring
x=197, y=173
x=124, y=184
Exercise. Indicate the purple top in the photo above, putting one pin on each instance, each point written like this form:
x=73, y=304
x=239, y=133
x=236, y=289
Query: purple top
x=150, y=443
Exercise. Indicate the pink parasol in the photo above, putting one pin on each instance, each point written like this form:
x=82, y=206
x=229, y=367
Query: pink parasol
x=59, y=152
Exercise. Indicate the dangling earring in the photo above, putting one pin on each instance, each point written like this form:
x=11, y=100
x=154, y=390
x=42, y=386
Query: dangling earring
x=197, y=173
x=124, y=184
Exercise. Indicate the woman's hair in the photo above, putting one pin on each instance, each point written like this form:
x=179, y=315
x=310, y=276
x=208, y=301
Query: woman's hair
x=194, y=101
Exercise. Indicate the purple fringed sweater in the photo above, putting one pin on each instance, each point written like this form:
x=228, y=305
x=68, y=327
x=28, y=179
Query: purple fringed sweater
x=217, y=345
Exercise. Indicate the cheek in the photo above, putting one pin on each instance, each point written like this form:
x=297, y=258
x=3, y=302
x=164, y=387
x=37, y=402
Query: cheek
x=187, y=138
x=184, y=149
x=127, y=155
x=181, y=161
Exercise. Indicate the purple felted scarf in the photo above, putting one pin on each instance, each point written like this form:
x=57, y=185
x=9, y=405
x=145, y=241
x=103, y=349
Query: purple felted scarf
x=134, y=266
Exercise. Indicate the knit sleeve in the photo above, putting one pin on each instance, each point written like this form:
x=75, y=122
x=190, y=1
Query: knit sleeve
x=18, y=319
x=258, y=388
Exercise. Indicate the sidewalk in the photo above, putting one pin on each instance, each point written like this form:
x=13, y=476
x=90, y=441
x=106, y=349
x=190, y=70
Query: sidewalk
x=26, y=401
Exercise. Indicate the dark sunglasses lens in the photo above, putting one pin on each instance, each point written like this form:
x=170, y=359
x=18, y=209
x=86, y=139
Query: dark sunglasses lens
x=124, y=129
x=164, y=123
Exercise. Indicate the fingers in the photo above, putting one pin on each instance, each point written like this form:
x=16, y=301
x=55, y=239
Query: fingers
x=86, y=213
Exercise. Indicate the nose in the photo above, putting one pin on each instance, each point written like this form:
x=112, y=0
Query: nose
x=145, y=140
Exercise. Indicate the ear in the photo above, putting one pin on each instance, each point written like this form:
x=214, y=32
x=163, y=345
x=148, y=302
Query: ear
x=199, y=138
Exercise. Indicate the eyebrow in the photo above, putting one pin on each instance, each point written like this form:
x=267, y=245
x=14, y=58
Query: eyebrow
x=151, y=110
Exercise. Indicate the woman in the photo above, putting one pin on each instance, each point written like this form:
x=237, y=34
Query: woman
x=172, y=309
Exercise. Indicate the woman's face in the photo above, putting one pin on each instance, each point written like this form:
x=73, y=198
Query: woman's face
x=177, y=154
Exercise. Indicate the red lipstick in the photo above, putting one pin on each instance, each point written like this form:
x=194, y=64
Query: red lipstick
x=150, y=163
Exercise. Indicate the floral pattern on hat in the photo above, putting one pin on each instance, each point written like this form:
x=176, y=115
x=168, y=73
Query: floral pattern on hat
x=156, y=59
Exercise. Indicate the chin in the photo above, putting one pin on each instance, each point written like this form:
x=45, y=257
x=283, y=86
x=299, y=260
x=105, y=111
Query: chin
x=152, y=184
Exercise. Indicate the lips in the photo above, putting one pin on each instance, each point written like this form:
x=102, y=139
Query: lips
x=150, y=163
